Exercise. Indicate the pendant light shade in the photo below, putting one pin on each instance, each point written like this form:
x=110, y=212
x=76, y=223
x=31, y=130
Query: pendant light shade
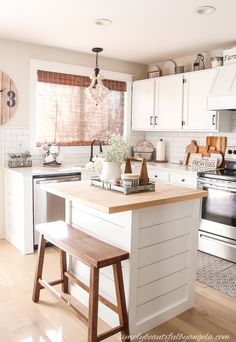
x=96, y=90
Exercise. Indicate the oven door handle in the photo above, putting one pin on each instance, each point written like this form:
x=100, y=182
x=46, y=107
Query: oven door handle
x=232, y=244
x=218, y=187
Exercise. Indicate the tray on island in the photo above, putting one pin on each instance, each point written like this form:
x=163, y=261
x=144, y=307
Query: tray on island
x=95, y=181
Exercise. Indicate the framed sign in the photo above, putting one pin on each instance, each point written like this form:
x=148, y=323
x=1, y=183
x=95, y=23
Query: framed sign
x=206, y=163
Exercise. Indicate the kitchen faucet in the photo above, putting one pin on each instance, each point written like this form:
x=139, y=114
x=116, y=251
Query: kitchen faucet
x=100, y=148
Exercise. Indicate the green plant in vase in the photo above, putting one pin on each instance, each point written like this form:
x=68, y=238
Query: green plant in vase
x=115, y=154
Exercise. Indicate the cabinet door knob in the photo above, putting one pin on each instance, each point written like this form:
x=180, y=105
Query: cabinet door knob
x=156, y=176
x=151, y=122
x=182, y=180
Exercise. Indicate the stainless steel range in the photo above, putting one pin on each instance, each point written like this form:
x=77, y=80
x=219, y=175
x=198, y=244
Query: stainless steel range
x=217, y=233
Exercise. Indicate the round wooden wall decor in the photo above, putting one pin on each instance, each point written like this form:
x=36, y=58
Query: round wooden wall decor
x=8, y=98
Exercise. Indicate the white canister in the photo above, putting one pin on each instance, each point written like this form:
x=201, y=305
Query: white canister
x=130, y=180
x=160, y=150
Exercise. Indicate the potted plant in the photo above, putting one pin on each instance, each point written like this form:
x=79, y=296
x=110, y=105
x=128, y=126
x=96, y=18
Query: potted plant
x=115, y=154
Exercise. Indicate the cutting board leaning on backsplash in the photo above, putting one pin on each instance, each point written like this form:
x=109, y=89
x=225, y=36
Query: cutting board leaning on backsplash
x=191, y=148
x=220, y=143
x=214, y=145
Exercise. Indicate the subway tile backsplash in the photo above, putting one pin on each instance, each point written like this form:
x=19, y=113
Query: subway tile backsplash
x=17, y=140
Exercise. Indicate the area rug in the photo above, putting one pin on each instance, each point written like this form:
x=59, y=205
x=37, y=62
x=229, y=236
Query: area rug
x=217, y=273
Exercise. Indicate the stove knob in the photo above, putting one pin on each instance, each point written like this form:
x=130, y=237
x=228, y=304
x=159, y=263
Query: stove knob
x=234, y=152
x=230, y=151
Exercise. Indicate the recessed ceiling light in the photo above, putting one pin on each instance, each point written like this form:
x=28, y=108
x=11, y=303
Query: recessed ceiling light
x=205, y=9
x=103, y=22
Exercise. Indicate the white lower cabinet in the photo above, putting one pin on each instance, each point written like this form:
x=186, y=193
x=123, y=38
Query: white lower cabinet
x=186, y=178
x=19, y=211
x=157, y=175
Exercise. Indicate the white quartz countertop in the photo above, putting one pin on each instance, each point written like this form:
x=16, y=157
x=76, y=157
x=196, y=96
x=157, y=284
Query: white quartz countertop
x=42, y=170
x=70, y=168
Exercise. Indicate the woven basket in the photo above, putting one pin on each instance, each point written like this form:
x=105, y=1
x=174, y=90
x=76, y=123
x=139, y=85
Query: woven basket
x=145, y=155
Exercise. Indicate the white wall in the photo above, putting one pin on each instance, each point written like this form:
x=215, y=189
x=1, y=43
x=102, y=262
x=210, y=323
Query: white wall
x=15, y=61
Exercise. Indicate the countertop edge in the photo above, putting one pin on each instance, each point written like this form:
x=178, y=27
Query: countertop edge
x=167, y=199
x=156, y=202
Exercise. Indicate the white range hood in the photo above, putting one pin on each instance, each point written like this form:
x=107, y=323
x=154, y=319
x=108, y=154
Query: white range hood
x=223, y=92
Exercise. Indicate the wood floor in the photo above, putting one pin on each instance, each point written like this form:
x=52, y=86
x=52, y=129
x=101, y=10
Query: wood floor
x=23, y=321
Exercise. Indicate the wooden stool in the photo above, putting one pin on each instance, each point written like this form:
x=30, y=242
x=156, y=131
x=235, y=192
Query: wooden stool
x=94, y=253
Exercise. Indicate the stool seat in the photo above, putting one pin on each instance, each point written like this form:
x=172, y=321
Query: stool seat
x=94, y=253
x=84, y=247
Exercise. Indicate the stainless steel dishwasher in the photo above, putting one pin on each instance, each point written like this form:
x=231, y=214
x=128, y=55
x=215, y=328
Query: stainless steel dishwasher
x=48, y=207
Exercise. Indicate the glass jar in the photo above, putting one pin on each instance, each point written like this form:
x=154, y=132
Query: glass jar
x=199, y=63
x=216, y=62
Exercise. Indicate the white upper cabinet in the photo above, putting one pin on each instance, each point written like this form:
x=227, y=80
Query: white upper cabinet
x=178, y=102
x=196, y=116
x=143, y=104
x=197, y=87
x=168, y=104
x=157, y=103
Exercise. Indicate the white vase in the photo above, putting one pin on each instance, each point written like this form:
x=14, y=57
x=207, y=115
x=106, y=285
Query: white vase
x=110, y=171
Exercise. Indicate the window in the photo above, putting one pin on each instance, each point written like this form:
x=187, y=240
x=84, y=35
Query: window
x=65, y=115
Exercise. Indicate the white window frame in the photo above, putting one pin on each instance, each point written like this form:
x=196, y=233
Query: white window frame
x=36, y=64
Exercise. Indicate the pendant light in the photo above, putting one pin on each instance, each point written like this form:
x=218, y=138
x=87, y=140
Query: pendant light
x=96, y=90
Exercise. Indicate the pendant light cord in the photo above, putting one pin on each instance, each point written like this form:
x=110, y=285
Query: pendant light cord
x=96, y=70
x=97, y=60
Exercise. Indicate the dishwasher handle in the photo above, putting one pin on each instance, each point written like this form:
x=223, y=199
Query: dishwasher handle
x=58, y=180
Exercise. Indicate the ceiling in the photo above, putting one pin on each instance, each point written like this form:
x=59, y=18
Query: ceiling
x=143, y=31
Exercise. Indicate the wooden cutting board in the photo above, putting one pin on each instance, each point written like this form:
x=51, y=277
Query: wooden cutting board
x=192, y=148
x=220, y=143
x=202, y=149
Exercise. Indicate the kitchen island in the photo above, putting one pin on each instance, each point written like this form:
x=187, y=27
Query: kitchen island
x=159, y=230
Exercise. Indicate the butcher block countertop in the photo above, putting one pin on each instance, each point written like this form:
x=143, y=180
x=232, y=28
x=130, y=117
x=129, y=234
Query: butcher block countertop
x=113, y=202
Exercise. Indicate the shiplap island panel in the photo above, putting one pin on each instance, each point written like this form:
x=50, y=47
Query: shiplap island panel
x=158, y=229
